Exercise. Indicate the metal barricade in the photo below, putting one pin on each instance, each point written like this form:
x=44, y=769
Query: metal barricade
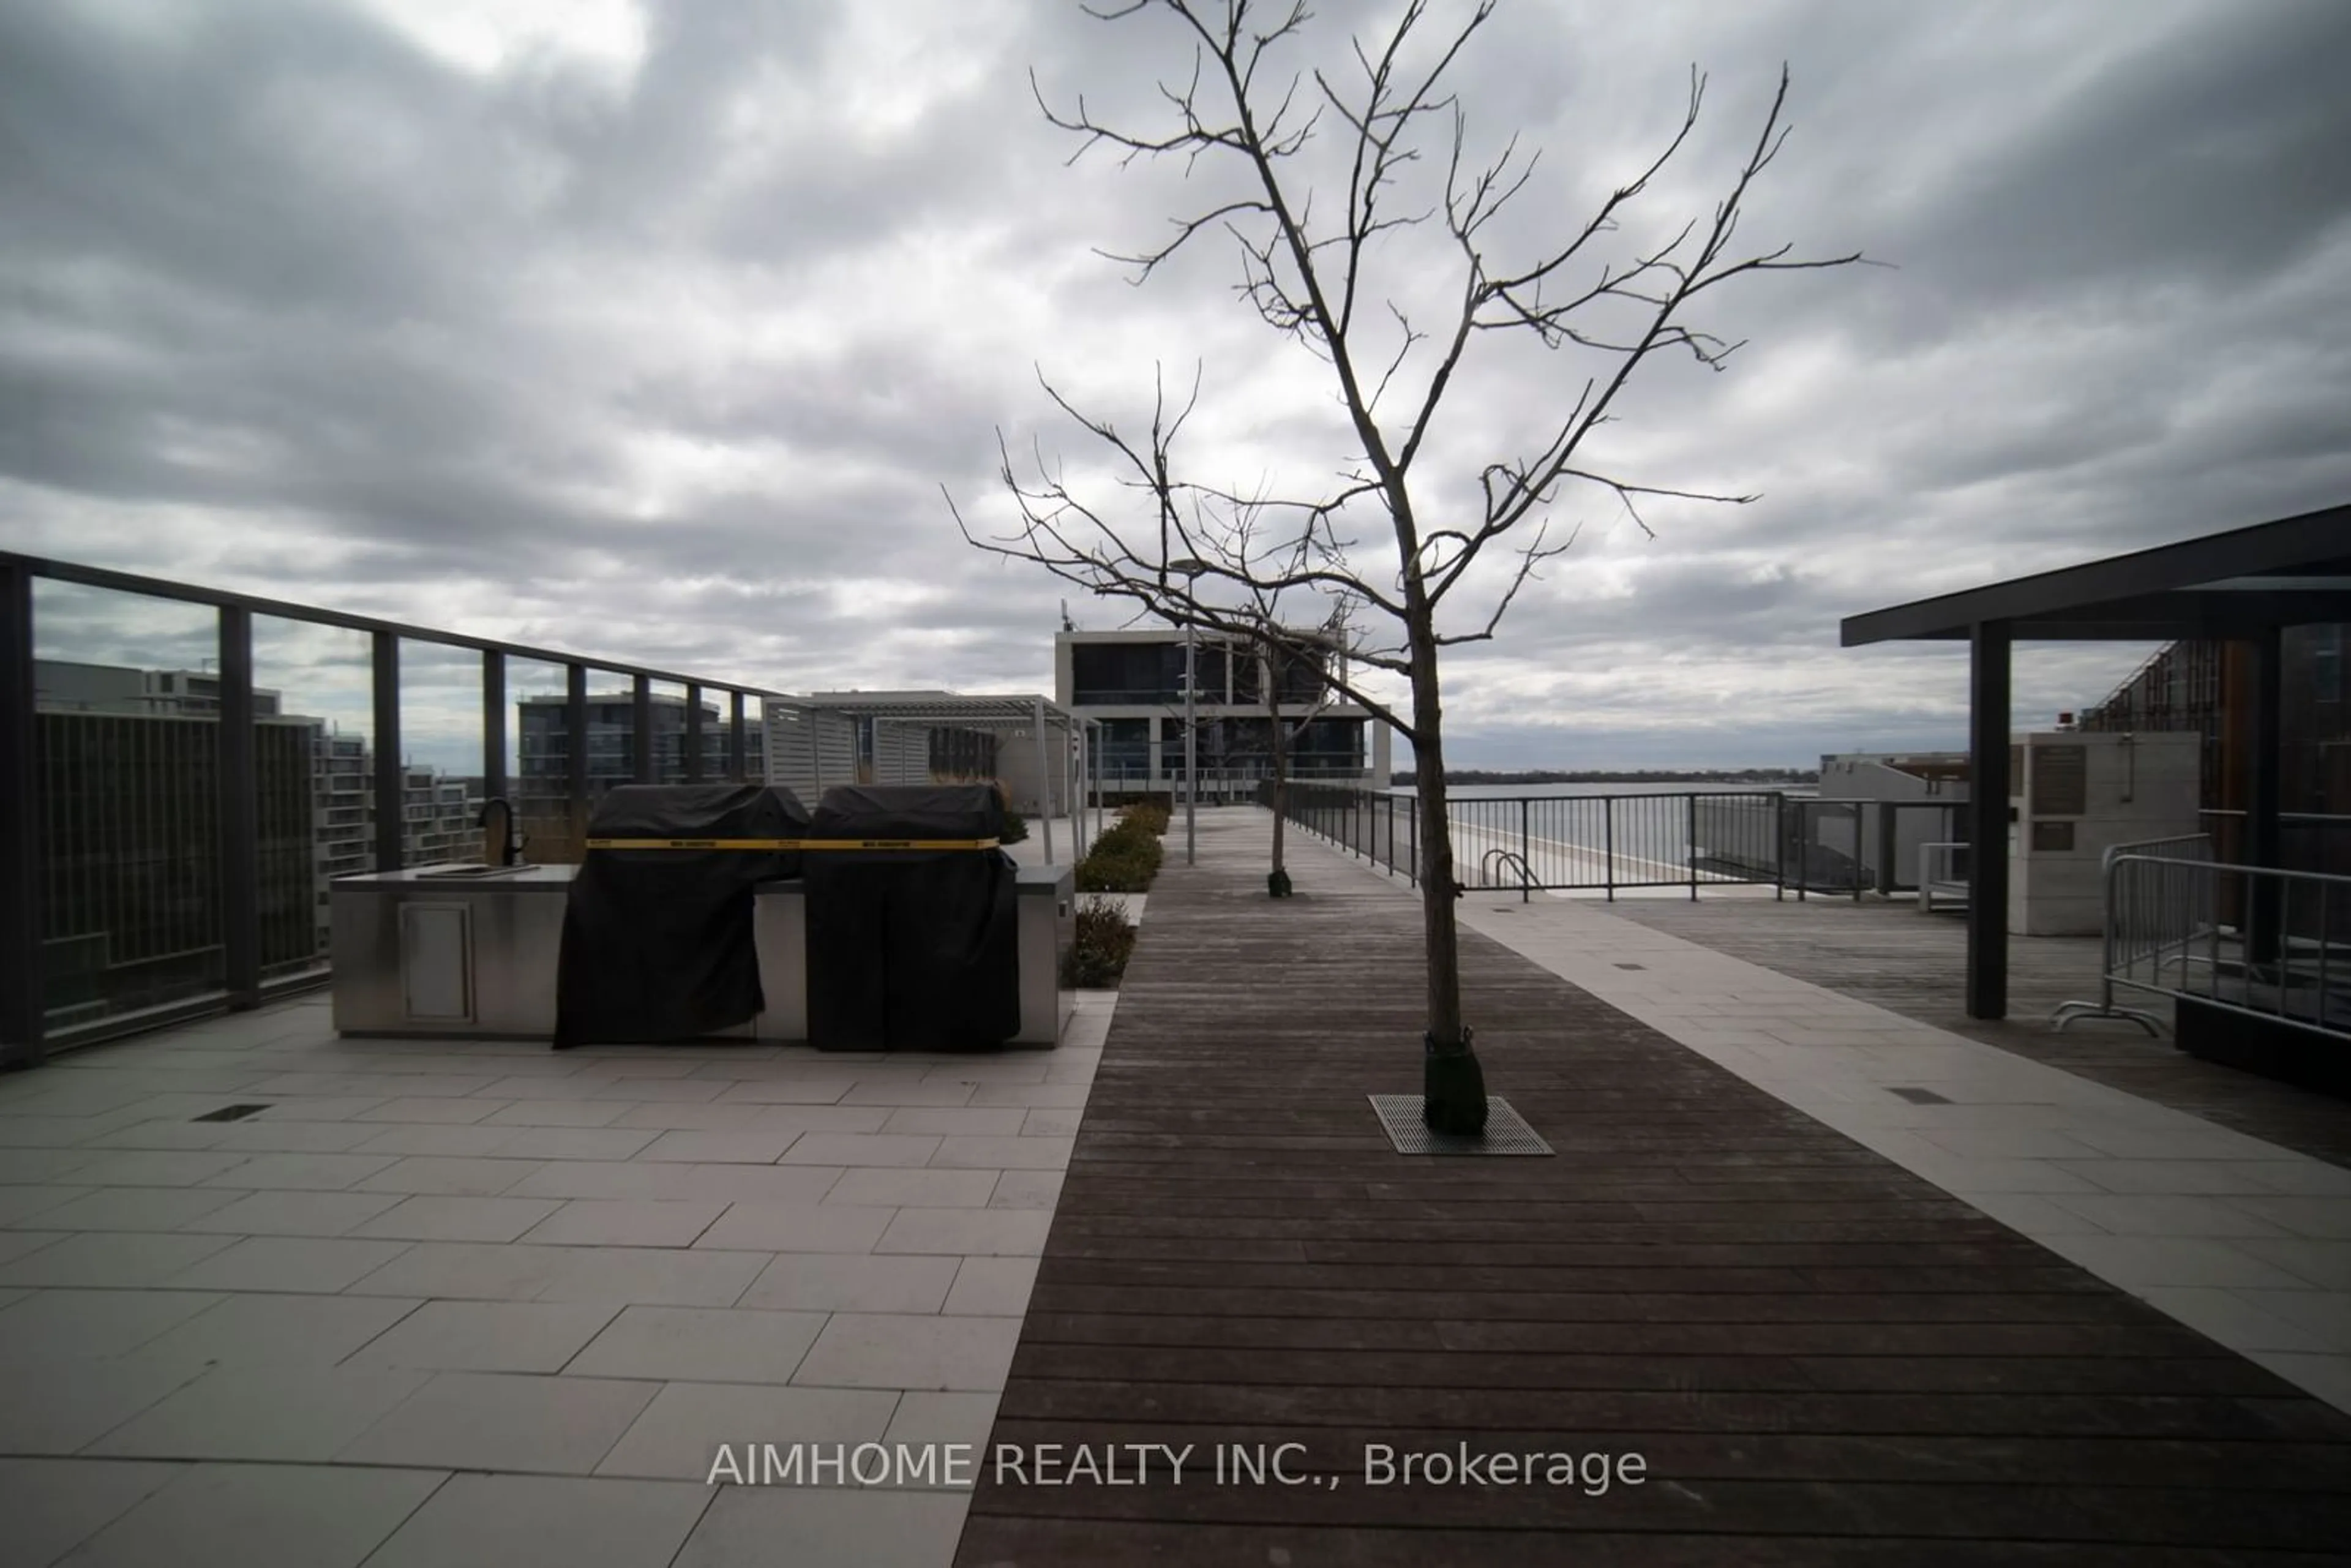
x=2159, y=911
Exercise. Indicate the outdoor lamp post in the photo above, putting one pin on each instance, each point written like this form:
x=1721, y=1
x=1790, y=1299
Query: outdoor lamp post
x=1191, y=570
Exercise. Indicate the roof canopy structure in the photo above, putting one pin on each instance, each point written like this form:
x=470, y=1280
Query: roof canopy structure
x=2245, y=585
x=2292, y=572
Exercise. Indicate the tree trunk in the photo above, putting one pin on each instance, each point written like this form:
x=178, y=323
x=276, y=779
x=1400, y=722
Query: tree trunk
x=1437, y=884
x=1452, y=1084
x=1280, y=774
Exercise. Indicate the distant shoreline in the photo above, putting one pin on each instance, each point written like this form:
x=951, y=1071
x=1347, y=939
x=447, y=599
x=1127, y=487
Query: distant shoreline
x=1625, y=776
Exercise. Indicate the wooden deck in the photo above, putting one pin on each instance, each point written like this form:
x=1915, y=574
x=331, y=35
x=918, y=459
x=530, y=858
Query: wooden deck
x=1914, y=964
x=1820, y=1358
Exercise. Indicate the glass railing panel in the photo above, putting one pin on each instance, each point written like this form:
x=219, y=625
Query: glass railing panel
x=314, y=777
x=441, y=752
x=762, y=723
x=127, y=747
x=611, y=733
x=668, y=738
x=539, y=760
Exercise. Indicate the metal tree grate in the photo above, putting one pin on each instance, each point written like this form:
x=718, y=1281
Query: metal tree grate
x=1506, y=1132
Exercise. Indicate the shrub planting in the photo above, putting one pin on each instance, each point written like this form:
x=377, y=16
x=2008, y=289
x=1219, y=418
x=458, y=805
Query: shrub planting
x=1105, y=939
x=1123, y=860
x=1015, y=828
x=1153, y=815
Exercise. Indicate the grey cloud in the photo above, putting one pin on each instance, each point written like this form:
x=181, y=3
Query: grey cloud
x=671, y=369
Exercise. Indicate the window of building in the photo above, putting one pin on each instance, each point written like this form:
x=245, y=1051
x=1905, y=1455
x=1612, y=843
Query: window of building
x=1101, y=674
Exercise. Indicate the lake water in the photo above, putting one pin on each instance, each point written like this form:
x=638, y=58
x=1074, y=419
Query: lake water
x=1539, y=791
x=1586, y=833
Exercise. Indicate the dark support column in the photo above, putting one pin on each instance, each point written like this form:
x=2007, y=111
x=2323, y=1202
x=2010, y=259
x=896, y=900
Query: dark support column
x=2264, y=754
x=1988, y=742
x=391, y=796
x=21, y=917
x=494, y=724
x=575, y=725
x=641, y=721
x=736, y=749
x=692, y=733
x=240, y=814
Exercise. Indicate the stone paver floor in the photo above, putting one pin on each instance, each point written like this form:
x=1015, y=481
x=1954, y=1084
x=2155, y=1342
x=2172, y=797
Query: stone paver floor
x=453, y=1302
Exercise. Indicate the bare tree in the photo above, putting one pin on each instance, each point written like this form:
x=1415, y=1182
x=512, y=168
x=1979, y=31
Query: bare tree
x=1306, y=264
x=1280, y=652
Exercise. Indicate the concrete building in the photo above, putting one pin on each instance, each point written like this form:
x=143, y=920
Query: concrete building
x=1131, y=684
x=131, y=836
x=2206, y=688
x=132, y=758
x=542, y=784
x=545, y=734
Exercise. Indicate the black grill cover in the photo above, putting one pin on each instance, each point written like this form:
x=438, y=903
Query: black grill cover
x=911, y=949
x=657, y=943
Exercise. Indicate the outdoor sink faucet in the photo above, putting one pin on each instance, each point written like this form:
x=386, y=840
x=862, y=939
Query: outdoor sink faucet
x=510, y=849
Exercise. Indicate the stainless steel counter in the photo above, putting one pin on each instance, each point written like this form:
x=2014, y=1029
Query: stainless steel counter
x=435, y=879
x=418, y=953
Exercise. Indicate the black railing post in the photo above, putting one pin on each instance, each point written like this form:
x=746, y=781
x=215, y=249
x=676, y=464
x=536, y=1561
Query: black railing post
x=1857, y=810
x=240, y=815
x=1690, y=850
x=737, y=746
x=1526, y=866
x=1608, y=845
x=574, y=771
x=641, y=723
x=22, y=1002
x=494, y=725
x=1804, y=850
x=391, y=777
x=693, y=733
x=1412, y=837
x=1779, y=847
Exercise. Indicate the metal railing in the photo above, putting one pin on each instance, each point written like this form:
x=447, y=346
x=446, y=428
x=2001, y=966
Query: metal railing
x=1942, y=877
x=1219, y=785
x=2169, y=935
x=168, y=820
x=2307, y=841
x=2153, y=919
x=1607, y=844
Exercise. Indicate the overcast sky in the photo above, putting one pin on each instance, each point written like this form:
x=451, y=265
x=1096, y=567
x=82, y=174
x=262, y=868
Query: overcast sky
x=655, y=332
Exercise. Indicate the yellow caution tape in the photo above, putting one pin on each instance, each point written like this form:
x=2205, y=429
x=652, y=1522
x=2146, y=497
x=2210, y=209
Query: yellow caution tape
x=823, y=845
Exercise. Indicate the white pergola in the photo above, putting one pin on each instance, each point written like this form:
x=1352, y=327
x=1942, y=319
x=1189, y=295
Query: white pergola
x=1006, y=714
